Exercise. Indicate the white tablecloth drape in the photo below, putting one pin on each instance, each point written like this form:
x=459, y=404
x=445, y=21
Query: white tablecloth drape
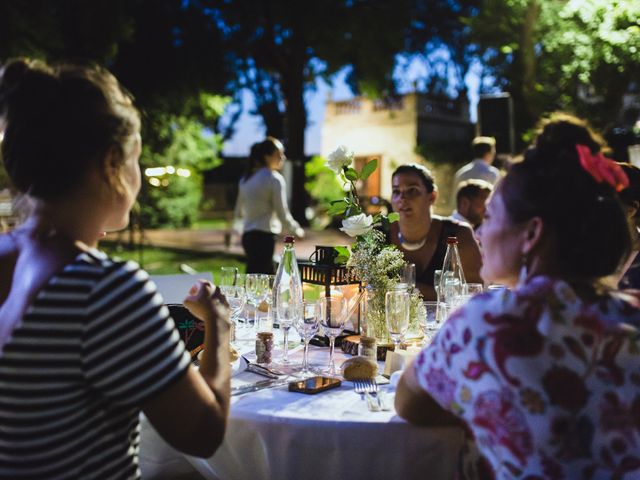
x=276, y=434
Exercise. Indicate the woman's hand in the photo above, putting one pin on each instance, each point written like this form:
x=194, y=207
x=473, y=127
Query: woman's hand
x=208, y=304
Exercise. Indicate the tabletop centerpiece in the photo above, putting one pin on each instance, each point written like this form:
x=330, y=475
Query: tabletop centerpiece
x=372, y=259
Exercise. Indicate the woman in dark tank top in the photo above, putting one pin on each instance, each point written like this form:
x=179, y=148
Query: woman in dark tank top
x=421, y=236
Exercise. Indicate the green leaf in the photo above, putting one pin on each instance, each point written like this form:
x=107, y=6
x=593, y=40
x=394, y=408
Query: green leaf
x=393, y=217
x=368, y=169
x=337, y=208
x=343, y=255
x=352, y=210
x=351, y=174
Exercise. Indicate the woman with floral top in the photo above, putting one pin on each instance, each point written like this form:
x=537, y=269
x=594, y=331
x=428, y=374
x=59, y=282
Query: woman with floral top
x=546, y=376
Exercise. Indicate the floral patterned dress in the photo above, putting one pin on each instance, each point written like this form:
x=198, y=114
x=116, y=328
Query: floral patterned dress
x=548, y=385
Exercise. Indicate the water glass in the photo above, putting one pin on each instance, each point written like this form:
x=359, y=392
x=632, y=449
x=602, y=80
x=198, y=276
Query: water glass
x=396, y=303
x=408, y=275
x=257, y=288
x=433, y=318
x=333, y=315
x=264, y=319
x=437, y=276
x=236, y=299
x=228, y=277
x=307, y=326
x=270, y=282
x=287, y=314
x=460, y=300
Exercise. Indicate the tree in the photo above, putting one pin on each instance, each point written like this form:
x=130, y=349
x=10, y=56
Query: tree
x=69, y=30
x=172, y=194
x=167, y=53
x=281, y=46
x=548, y=54
x=439, y=25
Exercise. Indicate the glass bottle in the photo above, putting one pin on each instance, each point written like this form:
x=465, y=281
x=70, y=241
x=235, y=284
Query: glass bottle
x=287, y=293
x=368, y=348
x=452, y=281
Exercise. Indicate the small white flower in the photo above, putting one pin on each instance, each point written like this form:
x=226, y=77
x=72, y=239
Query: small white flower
x=338, y=159
x=357, y=224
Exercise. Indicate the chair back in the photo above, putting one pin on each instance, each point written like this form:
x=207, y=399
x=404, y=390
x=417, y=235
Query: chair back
x=173, y=289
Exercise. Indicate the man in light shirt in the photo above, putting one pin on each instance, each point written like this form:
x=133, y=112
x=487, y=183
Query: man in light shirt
x=480, y=168
x=471, y=199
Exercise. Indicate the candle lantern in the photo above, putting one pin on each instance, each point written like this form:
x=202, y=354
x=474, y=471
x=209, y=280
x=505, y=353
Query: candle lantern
x=321, y=270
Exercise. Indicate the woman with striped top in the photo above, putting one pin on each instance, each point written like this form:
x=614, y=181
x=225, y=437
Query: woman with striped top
x=85, y=341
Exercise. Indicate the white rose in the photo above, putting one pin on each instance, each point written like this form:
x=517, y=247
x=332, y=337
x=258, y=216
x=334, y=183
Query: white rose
x=338, y=159
x=357, y=224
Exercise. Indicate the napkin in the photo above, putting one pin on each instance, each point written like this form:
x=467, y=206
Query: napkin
x=239, y=366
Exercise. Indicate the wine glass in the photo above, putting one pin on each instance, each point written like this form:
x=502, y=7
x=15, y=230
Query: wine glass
x=408, y=275
x=460, y=300
x=474, y=288
x=287, y=311
x=236, y=298
x=396, y=303
x=270, y=282
x=431, y=321
x=228, y=277
x=307, y=326
x=257, y=289
x=333, y=314
x=437, y=276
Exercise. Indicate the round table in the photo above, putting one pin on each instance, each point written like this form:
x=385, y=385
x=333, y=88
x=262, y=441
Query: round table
x=277, y=434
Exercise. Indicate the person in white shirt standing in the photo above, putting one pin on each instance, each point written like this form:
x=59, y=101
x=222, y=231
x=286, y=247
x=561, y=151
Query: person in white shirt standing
x=480, y=168
x=262, y=205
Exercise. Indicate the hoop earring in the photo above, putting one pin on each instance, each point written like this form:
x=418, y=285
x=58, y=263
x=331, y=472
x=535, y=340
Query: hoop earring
x=524, y=271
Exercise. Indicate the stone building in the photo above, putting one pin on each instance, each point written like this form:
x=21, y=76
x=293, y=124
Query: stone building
x=400, y=130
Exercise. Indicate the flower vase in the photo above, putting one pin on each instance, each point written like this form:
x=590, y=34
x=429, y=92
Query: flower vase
x=375, y=324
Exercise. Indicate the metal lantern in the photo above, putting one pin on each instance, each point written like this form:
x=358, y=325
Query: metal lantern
x=321, y=270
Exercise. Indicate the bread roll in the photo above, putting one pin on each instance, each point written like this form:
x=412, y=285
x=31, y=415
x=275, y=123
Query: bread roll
x=233, y=354
x=359, y=368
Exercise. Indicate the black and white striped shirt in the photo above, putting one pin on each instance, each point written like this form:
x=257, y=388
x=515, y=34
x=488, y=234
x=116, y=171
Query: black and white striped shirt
x=95, y=343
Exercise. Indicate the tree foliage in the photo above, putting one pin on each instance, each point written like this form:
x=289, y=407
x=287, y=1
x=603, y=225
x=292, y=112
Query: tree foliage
x=183, y=143
x=167, y=53
x=574, y=55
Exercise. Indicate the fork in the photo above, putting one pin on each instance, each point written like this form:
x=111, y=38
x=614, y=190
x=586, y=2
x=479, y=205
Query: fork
x=374, y=389
x=363, y=387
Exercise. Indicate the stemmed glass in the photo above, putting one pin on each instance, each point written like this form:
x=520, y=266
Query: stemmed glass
x=333, y=314
x=236, y=298
x=287, y=312
x=307, y=326
x=270, y=281
x=228, y=277
x=408, y=275
x=271, y=314
x=396, y=303
x=473, y=288
x=257, y=289
x=431, y=321
x=437, y=276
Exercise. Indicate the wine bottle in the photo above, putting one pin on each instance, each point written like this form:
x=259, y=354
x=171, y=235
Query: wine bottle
x=287, y=292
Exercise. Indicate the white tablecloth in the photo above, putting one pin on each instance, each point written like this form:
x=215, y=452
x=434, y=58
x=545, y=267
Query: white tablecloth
x=277, y=434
